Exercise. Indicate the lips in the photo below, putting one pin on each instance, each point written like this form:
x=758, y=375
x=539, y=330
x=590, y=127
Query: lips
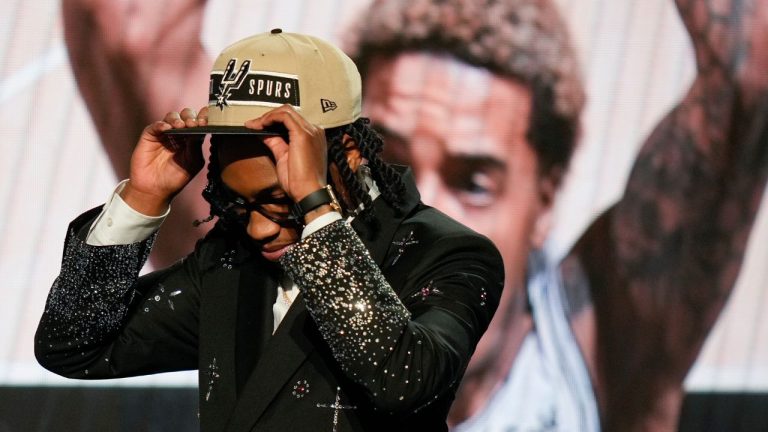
x=274, y=254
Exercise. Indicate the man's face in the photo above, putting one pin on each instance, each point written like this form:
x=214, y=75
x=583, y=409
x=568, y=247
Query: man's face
x=463, y=131
x=248, y=171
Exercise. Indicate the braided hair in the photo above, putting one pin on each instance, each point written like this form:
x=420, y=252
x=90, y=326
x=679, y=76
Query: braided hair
x=370, y=143
x=388, y=180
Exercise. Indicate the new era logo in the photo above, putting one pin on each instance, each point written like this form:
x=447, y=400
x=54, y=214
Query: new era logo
x=328, y=105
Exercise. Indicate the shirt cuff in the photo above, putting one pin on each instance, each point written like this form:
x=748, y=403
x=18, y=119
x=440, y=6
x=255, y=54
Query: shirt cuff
x=320, y=222
x=119, y=224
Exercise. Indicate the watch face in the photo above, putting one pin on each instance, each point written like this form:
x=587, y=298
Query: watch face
x=334, y=202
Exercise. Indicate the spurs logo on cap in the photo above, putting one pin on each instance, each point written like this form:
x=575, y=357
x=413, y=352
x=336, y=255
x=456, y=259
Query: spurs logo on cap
x=230, y=81
x=248, y=87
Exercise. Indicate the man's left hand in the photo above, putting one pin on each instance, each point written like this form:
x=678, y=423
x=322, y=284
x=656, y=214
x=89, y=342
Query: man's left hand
x=302, y=162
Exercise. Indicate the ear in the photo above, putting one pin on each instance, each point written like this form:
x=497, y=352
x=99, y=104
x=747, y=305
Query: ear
x=548, y=185
x=352, y=150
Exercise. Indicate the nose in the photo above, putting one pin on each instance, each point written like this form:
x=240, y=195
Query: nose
x=260, y=228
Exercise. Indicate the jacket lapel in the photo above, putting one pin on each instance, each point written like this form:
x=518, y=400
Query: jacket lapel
x=218, y=314
x=230, y=276
x=284, y=353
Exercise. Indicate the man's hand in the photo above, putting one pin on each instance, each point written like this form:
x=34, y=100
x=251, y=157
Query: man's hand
x=302, y=163
x=133, y=62
x=731, y=37
x=161, y=167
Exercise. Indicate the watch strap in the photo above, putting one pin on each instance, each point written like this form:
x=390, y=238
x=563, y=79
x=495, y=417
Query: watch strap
x=314, y=200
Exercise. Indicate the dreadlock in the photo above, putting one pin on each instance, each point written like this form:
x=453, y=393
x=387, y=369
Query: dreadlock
x=388, y=180
x=213, y=186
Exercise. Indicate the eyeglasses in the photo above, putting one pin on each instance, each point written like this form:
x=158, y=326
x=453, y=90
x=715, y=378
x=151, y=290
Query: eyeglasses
x=234, y=208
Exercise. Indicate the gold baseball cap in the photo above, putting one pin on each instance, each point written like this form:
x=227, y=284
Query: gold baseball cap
x=267, y=70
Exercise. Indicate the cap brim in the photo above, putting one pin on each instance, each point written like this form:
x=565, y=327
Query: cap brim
x=228, y=130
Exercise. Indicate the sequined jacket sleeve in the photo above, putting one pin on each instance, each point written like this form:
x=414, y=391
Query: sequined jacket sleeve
x=102, y=321
x=409, y=344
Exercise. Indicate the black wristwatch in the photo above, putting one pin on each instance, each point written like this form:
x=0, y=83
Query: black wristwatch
x=314, y=200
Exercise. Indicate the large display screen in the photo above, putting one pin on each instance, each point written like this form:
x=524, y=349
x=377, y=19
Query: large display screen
x=71, y=98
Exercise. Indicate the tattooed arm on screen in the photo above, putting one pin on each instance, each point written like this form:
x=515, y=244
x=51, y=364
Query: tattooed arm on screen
x=664, y=260
x=117, y=51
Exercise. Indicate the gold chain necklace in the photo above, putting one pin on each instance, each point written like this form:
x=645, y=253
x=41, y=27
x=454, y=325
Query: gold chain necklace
x=286, y=298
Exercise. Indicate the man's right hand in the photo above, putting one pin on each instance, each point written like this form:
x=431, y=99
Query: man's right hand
x=133, y=62
x=160, y=168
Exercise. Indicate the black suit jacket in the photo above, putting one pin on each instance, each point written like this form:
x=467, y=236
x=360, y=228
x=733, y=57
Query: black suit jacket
x=378, y=339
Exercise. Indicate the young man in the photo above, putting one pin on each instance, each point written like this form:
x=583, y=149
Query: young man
x=296, y=319
x=482, y=98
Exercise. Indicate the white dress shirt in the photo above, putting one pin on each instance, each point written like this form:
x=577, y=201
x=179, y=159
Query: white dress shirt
x=119, y=224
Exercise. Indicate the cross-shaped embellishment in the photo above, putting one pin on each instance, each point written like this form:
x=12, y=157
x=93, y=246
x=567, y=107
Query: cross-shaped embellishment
x=213, y=375
x=336, y=406
x=426, y=291
x=402, y=244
